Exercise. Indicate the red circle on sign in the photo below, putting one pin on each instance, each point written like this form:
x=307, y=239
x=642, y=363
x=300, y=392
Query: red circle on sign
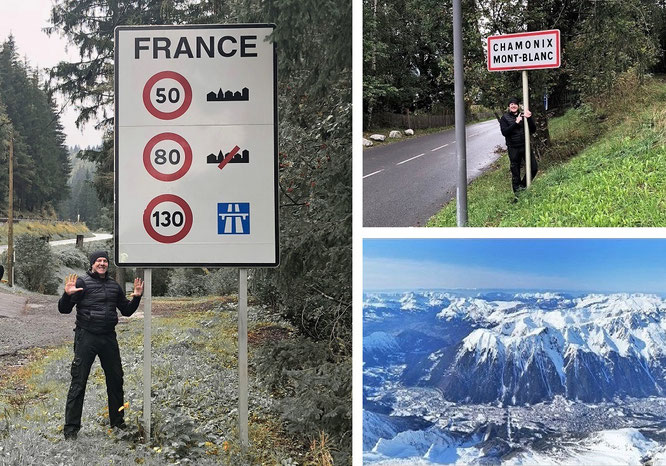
x=186, y=101
x=147, y=151
x=186, y=211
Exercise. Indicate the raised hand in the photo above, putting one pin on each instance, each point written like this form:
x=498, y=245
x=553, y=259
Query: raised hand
x=528, y=114
x=138, y=287
x=70, y=284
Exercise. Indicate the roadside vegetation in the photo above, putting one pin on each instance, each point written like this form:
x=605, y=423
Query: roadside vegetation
x=606, y=166
x=194, y=396
x=46, y=228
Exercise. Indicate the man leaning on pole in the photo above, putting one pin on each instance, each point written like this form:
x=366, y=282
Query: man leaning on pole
x=512, y=126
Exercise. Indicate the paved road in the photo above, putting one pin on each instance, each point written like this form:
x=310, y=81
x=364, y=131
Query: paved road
x=97, y=237
x=406, y=183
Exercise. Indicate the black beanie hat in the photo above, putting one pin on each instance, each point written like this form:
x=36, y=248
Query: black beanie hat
x=96, y=255
x=514, y=100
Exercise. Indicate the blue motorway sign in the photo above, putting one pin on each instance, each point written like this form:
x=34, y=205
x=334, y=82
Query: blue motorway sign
x=233, y=218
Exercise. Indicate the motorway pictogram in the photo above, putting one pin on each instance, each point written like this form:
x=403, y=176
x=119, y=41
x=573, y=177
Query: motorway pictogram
x=233, y=218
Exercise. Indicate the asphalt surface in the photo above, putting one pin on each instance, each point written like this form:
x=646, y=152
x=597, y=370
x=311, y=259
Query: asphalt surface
x=406, y=183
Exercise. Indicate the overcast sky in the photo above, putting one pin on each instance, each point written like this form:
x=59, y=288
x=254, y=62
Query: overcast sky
x=25, y=20
x=612, y=265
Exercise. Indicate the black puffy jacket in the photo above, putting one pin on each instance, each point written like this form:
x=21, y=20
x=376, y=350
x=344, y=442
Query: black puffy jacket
x=96, y=304
x=513, y=132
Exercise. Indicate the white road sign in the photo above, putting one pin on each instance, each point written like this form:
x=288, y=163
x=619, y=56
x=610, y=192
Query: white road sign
x=524, y=51
x=196, y=146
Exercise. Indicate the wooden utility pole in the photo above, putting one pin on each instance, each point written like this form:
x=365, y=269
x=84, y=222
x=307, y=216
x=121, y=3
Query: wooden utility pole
x=10, y=214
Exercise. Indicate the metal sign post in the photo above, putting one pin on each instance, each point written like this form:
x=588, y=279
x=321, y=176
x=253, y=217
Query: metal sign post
x=10, y=214
x=242, y=359
x=459, y=92
x=147, y=333
x=526, y=105
x=521, y=52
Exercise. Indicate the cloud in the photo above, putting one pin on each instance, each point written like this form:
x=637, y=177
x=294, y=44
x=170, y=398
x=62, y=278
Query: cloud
x=390, y=274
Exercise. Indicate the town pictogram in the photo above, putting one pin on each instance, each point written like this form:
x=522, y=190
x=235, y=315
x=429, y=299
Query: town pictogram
x=228, y=96
x=237, y=157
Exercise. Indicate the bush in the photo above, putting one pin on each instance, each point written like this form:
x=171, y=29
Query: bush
x=74, y=258
x=35, y=267
x=202, y=282
x=186, y=282
x=318, y=390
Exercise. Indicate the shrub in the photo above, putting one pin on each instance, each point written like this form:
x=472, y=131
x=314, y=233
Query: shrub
x=35, y=266
x=201, y=282
x=186, y=282
x=74, y=258
x=318, y=390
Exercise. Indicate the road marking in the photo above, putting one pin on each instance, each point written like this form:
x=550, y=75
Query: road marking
x=415, y=157
x=373, y=173
x=438, y=148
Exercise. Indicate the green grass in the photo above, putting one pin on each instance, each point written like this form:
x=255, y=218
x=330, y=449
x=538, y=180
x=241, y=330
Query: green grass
x=194, y=385
x=606, y=168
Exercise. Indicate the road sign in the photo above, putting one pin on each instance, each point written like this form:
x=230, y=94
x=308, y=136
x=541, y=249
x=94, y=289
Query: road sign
x=192, y=103
x=524, y=51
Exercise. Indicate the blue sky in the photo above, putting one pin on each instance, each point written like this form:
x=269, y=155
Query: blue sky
x=614, y=265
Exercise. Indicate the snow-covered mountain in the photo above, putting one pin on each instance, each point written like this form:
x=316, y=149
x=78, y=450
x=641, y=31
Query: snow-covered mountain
x=514, y=378
x=601, y=347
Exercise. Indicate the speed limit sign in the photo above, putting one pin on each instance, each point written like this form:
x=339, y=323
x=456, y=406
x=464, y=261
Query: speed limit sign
x=196, y=146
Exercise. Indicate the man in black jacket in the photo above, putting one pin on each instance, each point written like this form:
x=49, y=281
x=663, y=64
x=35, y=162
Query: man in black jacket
x=513, y=129
x=96, y=297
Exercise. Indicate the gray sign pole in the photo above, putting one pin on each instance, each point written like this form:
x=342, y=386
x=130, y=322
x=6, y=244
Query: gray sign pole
x=526, y=104
x=147, y=303
x=242, y=359
x=459, y=91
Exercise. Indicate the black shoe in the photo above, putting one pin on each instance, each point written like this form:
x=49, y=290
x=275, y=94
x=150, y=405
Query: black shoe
x=70, y=435
x=121, y=426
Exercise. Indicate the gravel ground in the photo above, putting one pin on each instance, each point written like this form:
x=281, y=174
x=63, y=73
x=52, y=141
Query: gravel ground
x=29, y=320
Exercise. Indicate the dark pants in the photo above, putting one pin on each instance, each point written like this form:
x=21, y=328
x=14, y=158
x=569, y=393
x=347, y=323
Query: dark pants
x=87, y=346
x=517, y=159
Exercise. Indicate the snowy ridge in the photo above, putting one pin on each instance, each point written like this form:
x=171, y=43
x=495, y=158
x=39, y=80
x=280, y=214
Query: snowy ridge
x=630, y=325
x=596, y=347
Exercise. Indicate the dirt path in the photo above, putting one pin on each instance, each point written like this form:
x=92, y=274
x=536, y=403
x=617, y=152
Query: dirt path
x=27, y=321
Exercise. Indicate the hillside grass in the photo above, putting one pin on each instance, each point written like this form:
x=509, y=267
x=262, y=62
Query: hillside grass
x=606, y=168
x=194, y=390
x=54, y=230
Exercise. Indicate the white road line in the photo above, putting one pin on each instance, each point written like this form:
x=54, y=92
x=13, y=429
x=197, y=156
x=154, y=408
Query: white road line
x=373, y=173
x=415, y=157
x=438, y=148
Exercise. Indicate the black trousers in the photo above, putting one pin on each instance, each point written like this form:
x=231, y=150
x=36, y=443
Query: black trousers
x=87, y=346
x=517, y=160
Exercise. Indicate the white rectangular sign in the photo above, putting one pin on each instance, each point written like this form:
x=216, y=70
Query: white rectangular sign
x=196, y=146
x=524, y=51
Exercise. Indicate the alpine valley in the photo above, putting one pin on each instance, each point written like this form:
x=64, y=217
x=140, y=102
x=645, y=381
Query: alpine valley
x=513, y=377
